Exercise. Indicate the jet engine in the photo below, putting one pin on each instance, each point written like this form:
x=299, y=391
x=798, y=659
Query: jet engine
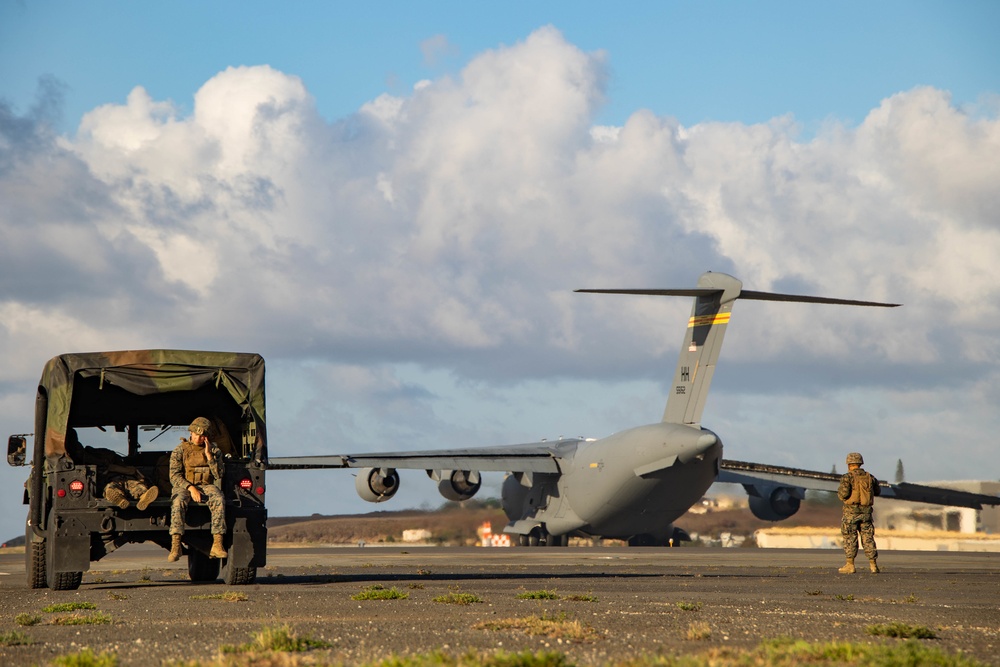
x=458, y=484
x=377, y=484
x=775, y=503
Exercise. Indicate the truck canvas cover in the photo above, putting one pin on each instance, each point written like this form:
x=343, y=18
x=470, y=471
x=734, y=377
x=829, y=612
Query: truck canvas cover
x=102, y=388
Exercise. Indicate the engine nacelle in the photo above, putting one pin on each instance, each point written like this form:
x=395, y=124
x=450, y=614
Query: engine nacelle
x=775, y=503
x=377, y=484
x=459, y=485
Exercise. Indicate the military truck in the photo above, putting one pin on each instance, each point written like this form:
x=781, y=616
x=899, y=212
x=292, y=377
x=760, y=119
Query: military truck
x=138, y=404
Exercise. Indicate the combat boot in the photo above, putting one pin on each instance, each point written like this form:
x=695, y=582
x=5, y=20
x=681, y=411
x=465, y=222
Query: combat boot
x=148, y=496
x=848, y=567
x=874, y=566
x=175, y=548
x=217, y=550
x=114, y=495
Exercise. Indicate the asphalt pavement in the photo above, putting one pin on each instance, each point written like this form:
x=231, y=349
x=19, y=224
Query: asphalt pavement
x=608, y=604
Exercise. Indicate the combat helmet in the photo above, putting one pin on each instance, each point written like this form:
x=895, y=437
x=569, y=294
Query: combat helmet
x=202, y=426
x=855, y=457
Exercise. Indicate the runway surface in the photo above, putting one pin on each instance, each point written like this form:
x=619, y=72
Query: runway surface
x=612, y=603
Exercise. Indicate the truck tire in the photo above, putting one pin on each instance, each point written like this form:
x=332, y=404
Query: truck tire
x=34, y=560
x=239, y=576
x=201, y=568
x=66, y=581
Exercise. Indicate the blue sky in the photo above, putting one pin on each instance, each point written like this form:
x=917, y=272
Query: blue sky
x=696, y=61
x=392, y=202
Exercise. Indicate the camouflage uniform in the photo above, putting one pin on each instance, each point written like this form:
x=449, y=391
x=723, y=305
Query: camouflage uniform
x=858, y=489
x=189, y=467
x=118, y=480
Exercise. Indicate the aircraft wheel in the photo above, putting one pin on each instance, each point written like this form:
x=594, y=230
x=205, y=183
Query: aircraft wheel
x=533, y=538
x=522, y=540
x=641, y=541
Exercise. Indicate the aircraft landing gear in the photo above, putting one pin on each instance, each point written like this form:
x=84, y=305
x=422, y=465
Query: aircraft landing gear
x=539, y=536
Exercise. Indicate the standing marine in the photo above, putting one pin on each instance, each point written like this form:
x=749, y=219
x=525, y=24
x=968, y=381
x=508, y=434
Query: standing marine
x=858, y=489
x=195, y=475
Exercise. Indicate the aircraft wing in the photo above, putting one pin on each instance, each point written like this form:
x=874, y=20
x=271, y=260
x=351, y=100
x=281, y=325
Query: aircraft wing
x=759, y=474
x=540, y=457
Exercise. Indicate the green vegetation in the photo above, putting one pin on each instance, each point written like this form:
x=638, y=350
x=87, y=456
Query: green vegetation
x=68, y=606
x=277, y=639
x=901, y=630
x=689, y=606
x=553, y=627
x=537, y=595
x=380, y=592
x=846, y=598
x=86, y=658
x=458, y=598
x=229, y=596
x=499, y=659
x=772, y=653
x=15, y=638
x=28, y=619
x=581, y=598
x=100, y=618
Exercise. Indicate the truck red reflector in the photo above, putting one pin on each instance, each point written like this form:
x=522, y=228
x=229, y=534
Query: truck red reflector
x=260, y=490
x=246, y=484
x=61, y=493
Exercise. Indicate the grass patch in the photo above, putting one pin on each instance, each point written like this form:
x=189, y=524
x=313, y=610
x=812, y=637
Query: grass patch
x=15, y=638
x=117, y=596
x=68, y=606
x=689, y=606
x=229, y=596
x=553, y=627
x=86, y=658
x=458, y=598
x=901, y=630
x=846, y=598
x=100, y=618
x=537, y=595
x=380, y=592
x=28, y=619
x=279, y=639
x=581, y=598
x=699, y=630
x=471, y=659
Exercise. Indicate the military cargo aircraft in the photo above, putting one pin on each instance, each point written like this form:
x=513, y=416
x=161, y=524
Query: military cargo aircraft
x=634, y=484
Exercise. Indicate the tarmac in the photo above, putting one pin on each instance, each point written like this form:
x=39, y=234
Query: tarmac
x=605, y=605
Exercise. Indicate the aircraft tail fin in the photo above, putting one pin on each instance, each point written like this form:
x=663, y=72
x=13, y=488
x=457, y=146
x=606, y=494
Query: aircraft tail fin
x=714, y=298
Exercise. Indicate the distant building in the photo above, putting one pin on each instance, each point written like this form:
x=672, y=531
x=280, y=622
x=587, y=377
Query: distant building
x=416, y=535
x=917, y=517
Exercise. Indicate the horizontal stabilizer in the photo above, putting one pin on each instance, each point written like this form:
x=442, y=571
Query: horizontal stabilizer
x=744, y=294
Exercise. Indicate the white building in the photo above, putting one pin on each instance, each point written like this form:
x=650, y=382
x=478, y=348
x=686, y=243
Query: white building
x=916, y=517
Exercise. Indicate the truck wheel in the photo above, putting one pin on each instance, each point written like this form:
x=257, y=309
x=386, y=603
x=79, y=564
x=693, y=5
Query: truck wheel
x=66, y=581
x=239, y=576
x=34, y=560
x=202, y=568
x=58, y=581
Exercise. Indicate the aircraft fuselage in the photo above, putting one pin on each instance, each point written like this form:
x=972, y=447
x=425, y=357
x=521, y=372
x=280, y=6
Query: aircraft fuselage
x=635, y=482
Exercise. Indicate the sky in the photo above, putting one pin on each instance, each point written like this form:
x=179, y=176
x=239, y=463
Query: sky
x=393, y=202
